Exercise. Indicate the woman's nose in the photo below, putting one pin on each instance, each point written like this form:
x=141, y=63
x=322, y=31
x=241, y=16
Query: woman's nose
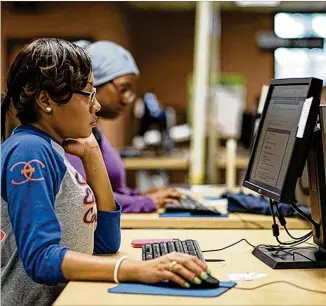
x=97, y=105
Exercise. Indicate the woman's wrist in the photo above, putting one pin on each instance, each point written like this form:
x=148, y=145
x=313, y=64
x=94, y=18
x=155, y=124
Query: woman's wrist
x=129, y=270
x=91, y=152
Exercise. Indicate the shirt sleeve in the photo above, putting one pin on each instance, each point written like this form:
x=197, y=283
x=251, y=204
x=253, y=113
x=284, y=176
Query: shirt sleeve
x=135, y=204
x=33, y=176
x=108, y=232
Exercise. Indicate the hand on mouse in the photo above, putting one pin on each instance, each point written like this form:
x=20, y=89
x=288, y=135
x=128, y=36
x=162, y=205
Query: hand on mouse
x=180, y=268
x=164, y=196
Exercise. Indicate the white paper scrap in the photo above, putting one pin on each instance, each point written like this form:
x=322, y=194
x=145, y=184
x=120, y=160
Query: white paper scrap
x=303, y=117
x=245, y=276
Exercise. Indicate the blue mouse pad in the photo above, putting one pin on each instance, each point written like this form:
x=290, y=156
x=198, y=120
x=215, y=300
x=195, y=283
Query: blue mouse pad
x=167, y=289
x=189, y=215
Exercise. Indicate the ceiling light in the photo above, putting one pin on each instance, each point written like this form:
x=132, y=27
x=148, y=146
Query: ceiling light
x=257, y=3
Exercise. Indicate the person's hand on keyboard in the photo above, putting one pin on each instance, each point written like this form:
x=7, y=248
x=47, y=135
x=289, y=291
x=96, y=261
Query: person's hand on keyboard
x=165, y=195
x=180, y=268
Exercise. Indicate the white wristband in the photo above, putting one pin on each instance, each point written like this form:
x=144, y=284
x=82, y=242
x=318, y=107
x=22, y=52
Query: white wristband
x=116, y=268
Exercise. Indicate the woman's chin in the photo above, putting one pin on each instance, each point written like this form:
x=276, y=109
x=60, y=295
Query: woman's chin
x=83, y=134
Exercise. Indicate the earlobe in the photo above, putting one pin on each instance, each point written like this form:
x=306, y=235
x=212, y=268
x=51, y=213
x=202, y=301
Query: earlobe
x=43, y=102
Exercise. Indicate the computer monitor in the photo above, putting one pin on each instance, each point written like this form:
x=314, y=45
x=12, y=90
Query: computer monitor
x=289, y=133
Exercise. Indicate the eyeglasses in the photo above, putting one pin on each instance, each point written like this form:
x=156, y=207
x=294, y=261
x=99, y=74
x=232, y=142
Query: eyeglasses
x=127, y=95
x=92, y=94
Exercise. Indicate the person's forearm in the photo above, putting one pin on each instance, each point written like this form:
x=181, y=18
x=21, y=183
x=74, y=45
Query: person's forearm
x=135, y=204
x=98, y=179
x=78, y=266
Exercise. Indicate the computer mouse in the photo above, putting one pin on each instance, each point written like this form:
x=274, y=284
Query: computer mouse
x=210, y=283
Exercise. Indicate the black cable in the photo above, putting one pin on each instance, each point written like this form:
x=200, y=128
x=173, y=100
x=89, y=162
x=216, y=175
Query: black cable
x=260, y=245
x=284, y=282
x=221, y=249
x=297, y=242
x=296, y=253
x=276, y=247
x=272, y=210
x=292, y=244
x=308, y=218
x=282, y=220
x=295, y=238
x=276, y=231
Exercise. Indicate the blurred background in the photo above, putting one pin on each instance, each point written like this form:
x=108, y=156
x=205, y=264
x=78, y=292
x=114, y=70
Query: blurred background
x=255, y=42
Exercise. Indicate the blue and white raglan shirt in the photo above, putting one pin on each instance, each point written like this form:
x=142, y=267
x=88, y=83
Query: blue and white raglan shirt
x=47, y=208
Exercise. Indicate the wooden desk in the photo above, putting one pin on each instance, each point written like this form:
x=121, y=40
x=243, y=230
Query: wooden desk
x=238, y=260
x=234, y=220
x=174, y=163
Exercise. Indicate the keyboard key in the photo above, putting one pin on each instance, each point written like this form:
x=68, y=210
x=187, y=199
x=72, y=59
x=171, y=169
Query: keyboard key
x=164, y=248
x=171, y=247
x=185, y=248
x=178, y=246
x=156, y=250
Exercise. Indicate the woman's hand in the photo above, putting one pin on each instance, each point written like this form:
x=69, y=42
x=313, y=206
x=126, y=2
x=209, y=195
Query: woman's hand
x=152, y=190
x=164, y=196
x=180, y=268
x=80, y=146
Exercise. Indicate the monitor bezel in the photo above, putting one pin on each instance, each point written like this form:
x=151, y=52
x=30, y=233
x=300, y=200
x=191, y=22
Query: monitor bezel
x=301, y=145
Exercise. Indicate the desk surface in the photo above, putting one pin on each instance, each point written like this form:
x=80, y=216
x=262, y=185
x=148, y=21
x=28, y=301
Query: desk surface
x=95, y=293
x=234, y=220
x=174, y=163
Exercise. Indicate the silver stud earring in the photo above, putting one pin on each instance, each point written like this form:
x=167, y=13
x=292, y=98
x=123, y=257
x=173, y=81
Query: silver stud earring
x=48, y=109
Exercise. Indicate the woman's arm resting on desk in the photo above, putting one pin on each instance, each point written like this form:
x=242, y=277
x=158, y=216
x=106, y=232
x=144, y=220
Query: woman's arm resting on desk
x=77, y=266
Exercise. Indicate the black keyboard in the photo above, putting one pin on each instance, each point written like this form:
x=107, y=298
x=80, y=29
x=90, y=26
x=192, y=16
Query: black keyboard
x=189, y=246
x=154, y=250
x=191, y=205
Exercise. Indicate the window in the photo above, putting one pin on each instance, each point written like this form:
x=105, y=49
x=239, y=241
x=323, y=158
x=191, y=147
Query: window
x=300, y=62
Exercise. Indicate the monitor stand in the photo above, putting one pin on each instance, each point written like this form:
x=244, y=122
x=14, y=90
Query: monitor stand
x=306, y=257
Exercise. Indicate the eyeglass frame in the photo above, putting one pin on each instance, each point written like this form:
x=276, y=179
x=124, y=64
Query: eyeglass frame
x=91, y=94
x=121, y=94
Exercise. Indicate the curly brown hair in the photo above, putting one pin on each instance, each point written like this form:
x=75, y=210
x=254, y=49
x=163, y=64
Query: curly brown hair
x=54, y=65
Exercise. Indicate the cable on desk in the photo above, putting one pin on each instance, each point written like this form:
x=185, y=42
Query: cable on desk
x=278, y=282
x=216, y=250
x=288, y=245
x=276, y=247
x=293, y=254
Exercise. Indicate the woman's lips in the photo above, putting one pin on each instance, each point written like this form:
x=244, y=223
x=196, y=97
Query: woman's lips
x=93, y=123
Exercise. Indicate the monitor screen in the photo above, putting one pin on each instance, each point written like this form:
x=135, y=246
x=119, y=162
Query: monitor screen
x=278, y=135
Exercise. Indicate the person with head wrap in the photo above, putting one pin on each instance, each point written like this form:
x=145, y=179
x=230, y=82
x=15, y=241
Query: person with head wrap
x=115, y=76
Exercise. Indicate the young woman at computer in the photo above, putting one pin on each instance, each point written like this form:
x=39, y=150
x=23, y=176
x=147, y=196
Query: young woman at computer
x=52, y=220
x=115, y=76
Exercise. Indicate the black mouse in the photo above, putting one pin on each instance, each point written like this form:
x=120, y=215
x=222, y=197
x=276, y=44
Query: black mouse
x=210, y=283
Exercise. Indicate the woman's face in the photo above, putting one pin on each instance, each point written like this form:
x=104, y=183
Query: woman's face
x=76, y=118
x=115, y=95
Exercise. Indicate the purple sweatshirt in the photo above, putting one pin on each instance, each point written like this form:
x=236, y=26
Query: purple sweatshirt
x=130, y=200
